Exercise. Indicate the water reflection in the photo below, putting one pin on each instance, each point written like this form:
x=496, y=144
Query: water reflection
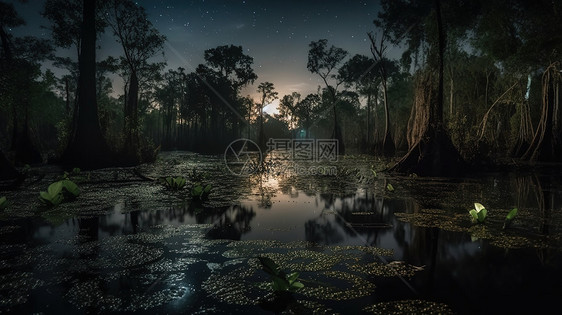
x=328, y=211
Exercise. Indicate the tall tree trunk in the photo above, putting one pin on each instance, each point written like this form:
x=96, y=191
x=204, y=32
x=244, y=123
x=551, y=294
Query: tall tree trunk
x=545, y=146
x=67, y=91
x=433, y=154
x=451, y=96
x=261, y=137
x=436, y=115
x=87, y=147
x=388, y=143
x=369, y=122
x=132, y=141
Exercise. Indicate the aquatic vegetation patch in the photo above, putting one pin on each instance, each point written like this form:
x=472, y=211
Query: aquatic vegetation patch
x=409, y=307
x=429, y=218
x=55, y=194
x=492, y=231
x=280, y=280
x=336, y=285
x=93, y=294
x=327, y=273
x=392, y=269
x=233, y=287
x=200, y=191
x=375, y=251
x=174, y=183
x=14, y=287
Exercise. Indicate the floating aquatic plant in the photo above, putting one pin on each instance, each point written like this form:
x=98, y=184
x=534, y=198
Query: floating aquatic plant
x=54, y=194
x=280, y=281
x=201, y=192
x=389, y=187
x=478, y=213
x=174, y=183
x=509, y=218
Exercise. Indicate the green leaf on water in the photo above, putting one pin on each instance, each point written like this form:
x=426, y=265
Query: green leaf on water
x=509, y=218
x=292, y=277
x=207, y=189
x=280, y=284
x=44, y=196
x=71, y=187
x=511, y=214
x=54, y=189
x=474, y=215
x=482, y=215
x=296, y=285
x=269, y=266
x=479, y=213
x=478, y=207
x=389, y=187
x=197, y=191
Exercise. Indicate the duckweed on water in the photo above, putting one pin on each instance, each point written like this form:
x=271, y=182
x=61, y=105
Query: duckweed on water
x=408, y=307
x=492, y=231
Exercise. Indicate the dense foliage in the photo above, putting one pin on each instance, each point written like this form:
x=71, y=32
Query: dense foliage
x=498, y=93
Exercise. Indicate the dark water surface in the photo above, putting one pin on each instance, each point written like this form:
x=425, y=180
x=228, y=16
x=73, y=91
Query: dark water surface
x=130, y=245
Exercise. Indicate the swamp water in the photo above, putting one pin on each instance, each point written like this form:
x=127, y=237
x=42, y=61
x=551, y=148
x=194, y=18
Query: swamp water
x=127, y=244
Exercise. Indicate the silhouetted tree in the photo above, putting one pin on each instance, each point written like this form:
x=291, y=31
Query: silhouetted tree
x=360, y=71
x=267, y=95
x=433, y=153
x=288, y=110
x=307, y=111
x=20, y=66
x=87, y=147
x=384, y=66
x=140, y=41
x=323, y=61
x=226, y=71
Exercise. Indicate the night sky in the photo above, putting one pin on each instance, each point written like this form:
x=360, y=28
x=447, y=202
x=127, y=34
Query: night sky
x=275, y=33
